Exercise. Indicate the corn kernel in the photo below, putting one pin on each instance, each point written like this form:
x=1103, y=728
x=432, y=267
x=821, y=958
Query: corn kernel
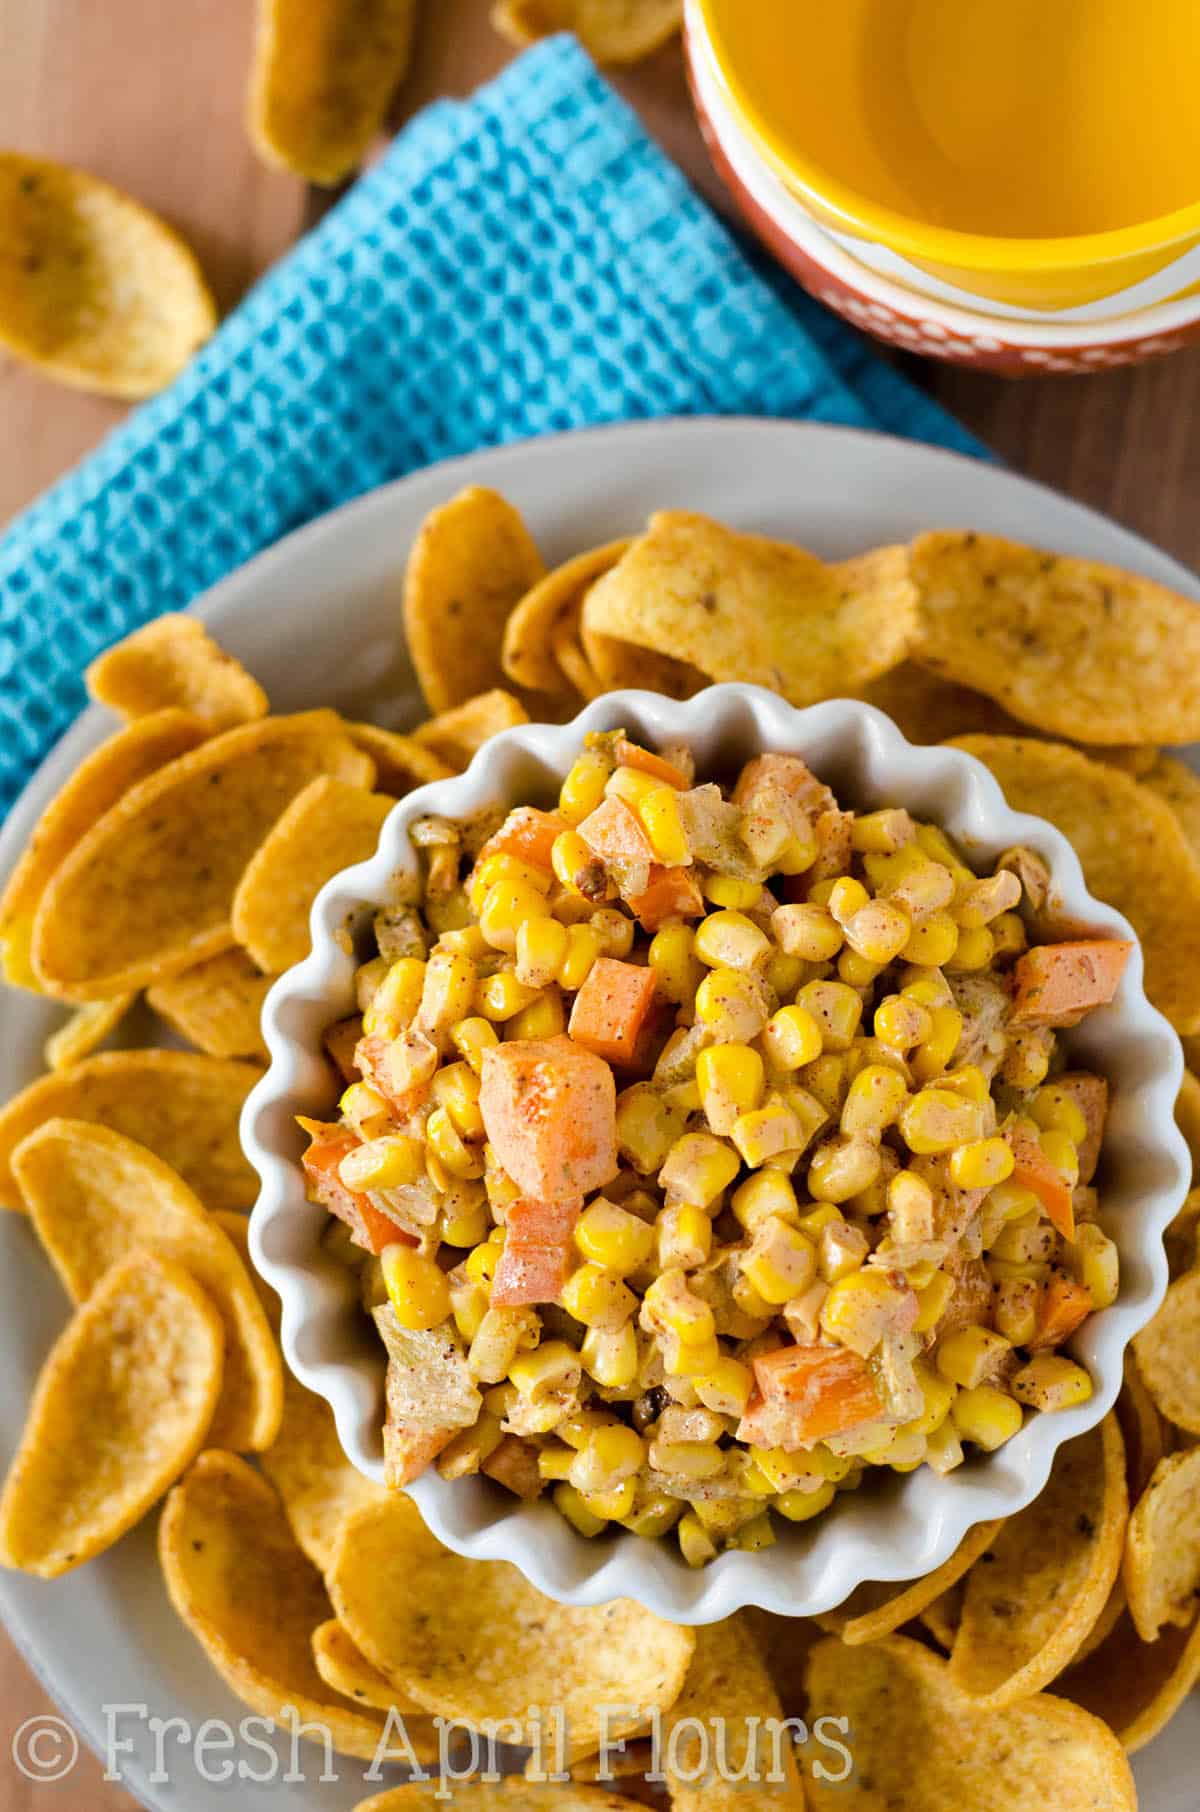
x=631, y=785
x=676, y=968
x=365, y=1109
x=1060, y=1148
x=449, y=1146
x=472, y=1037
x=860, y=1309
x=576, y=867
x=368, y=979
x=843, y=1167
x=767, y=1192
x=987, y=899
x=807, y=931
x=974, y=950
x=697, y=1460
x=549, y=1370
x=837, y=1010
x=1015, y=1309
x=910, y=1203
x=555, y=1460
x=878, y=931
x=933, y=942
x=609, y=1457
x=469, y=1305
x=647, y=1127
x=842, y=1250
x=981, y=1163
x=658, y=809
x=506, y=906
x=727, y=1388
x=875, y=1099
x=938, y=1393
x=727, y=891
x=686, y=1359
x=938, y=1119
x=698, y=1168
x=1009, y=936
x=610, y=1356
x=656, y=1515
x=1055, y=1108
x=466, y=1222
x=598, y=1297
x=502, y=996
x=1051, y=1382
x=985, y=1416
x=613, y=1238
x=731, y=940
x=416, y=1287
x=684, y=1236
x=792, y=1037
x=397, y=999
x=670, y=1305
x=583, y=947
x=828, y=1081
x=847, y=896
x=856, y=971
x=883, y=832
x=1097, y=1264
x=616, y=1503
x=732, y=1005
x=780, y=1262
x=501, y=1336
x=456, y=1088
x=544, y=1017
x=614, y=930
x=971, y=1356
x=928, y=987
x=730, y=1079
x=569, y=1503
x=696, y=1546
x=541, y=948
x=753, y=1535
x=943, y=1449
x=901, y=1023
x=802, y=1506
x=583, y=789
x=387, y=1163
x=767, y=1131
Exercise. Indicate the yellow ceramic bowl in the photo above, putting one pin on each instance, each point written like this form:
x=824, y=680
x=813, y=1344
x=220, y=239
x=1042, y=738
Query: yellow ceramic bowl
x=1068, y=134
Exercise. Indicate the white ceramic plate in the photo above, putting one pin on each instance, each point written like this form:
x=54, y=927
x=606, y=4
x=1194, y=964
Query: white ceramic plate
x=316, y=619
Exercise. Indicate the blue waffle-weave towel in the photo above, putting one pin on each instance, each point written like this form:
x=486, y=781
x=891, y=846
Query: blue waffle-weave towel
x=521, y=263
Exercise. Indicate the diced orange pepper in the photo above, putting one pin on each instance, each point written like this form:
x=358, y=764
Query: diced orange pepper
x=409, y=1447
x=1065, y=1306
x=826, y=1389
x=790, y=774
x=1058, y=983
x=550, y=1112
x=514, y=1464
x=527, y=834
x=632, y=755
x=611, y=1009
x=1090, y=1095
x=369, y=1226
x=340, y=1040
x=537, y=1249
x=372, y=1062
x=1033, y=1170
x=615, y=833
x=673, y=893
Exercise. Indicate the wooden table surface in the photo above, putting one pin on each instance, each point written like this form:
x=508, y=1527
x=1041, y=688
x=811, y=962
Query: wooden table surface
x=151, y=97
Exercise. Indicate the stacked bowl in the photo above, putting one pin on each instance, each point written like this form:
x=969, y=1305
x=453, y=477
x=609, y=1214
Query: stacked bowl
x=1019, y=306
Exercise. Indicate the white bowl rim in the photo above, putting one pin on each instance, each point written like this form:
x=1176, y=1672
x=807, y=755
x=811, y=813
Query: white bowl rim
x=322, y=1326
x=1019, y=332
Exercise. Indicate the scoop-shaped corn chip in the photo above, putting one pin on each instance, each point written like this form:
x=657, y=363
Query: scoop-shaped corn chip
x=120, y=1410
x=728, y=1687
x=473, y=1640
x=498, y=1796
x=1162, y=1547
x=251, y=1599
x=1179, y=785
x=1166, y=1354
x=943, y=1616
x=917, y=1743
x=173, y=661
x=400, y=762
x=612, y=31
x=149, y=890
x=554, y=603
x=327, y=827
x=472, y=563
x=1058, y=641
x=927, y=708
x=1142, y=1429
x=740, y=607
x=1135, y=1686
x=318, y=1486
x=617, y=664
x=324, y=72
x=87, y=1027
x=1046, y=1578
x=785, y=1644
x=1180, y=1237
x=342, y=1665
x=94, y=1196
x=1104, y=1625
x=96, y=785
x=95, y=290
x=575, y=664
x=634, y=1758
x=1187, y=1116
x=458, y=734
x=876, y=1609
x=182, y=1106
x=1133, y=854
x=217, y=1006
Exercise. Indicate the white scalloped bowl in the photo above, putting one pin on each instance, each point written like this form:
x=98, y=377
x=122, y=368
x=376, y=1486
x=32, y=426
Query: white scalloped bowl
x=892, y=1529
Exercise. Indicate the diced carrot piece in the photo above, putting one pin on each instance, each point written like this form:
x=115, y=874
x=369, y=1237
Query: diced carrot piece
x=826, y=1389
x=1058, y=983
x=632, y=755
x=374, y=1058
x=408, y=1448
x=673, y=893
x=1090, y=1095
x=340, y=1040
x=791, y=775
x=611, y=1008
x=1065, y=1306
x=550, y=1112
x=1033, y=1170
x=369, y=1226
x=527, y=834
x=514, y=1464
x=537, y=1247
x=616, y=834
